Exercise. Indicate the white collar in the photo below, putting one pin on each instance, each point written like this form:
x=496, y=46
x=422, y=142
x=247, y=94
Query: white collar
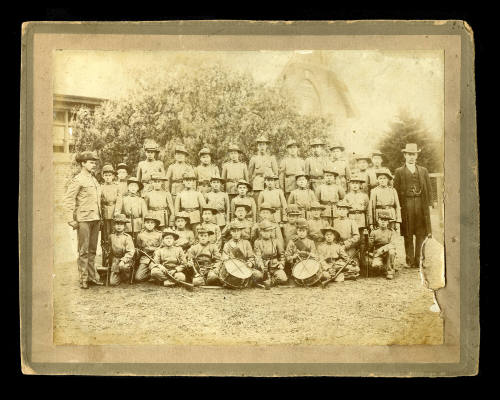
x=411, y=167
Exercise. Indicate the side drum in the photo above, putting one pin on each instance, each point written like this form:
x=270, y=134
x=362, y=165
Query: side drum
x=307, y=272
x=235, y=273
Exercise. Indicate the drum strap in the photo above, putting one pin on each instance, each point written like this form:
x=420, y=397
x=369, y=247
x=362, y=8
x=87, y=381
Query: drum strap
x=237, y=253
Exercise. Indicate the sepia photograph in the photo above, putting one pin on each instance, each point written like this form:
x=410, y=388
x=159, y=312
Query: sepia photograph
x=237, y=197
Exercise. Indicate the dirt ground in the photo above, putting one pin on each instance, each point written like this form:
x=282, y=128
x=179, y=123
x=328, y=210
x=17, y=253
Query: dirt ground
x=371, y=311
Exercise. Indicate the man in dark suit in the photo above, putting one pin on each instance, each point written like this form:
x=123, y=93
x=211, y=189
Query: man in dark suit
x=413, y=185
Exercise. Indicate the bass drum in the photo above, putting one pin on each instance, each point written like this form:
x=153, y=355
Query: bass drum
x=307, y=272
x=235, y=273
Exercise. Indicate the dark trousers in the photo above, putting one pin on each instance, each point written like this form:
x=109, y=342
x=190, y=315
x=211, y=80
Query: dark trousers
x=415, y=227
x=88, y=233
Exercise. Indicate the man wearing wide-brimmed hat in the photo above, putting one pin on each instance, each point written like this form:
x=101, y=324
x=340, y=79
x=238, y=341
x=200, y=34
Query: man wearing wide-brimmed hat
x=149, y=166
x=413, y=185
x=176, y=171
x=233, y=171
x=260, y=165
x=148, y=240
x=133, y=206
x=122, y=251
x=243, y=187
x=205, y=170
x=82, y=204
x=160, y=202
x=315, y=164
x=384, y=198
x=382, y=245
x=339, y=163
x=110, y=192
x=289, y=167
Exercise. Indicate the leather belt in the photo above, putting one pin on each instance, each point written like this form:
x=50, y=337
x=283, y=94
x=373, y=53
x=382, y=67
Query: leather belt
x=109, y=203
x=157, y=208
x=190, y=209
x=383, y=207
x=328, y=203
x=176, y=180
x=356, y=212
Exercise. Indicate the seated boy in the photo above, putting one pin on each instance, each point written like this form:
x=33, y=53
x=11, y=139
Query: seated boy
x=186, y=236
x=300, y=248
x=169, y=259
x=243, y=187
x=315, y=222
x=207, y=216
x=240, y=213
x=148, y=240
x=348, y=230
x=332, y=257
x=241, y=249
x=203, y=259
x=270, y=256
x=266, y=213
x=122, y=252
x=382, y=244
x=290, y=229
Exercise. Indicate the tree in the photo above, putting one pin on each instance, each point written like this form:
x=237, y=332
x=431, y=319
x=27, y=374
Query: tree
x=209, y=106
x=407, y=129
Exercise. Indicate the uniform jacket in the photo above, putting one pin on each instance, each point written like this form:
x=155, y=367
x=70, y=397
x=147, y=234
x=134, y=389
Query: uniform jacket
x=220, y=200
x=276, y=199
x=364, y=186
x=259, y=166
x=147, y=168
x=148, y=241
x=123, y=186
x=303, y=198
x=341, y=165
x=122, y=246
x=386, y=197
x=82, y=201
x=133, y=206
x=349, y=233
x=248, y=200
x=245, y=233
x=276, y=234
x=174, y=176
x=330, y=253
x=402, y=189
x=172, y=256
x=161, y=205
x=109, y=196
x=289, y=232
x=203, y=256
x=295, y=247
x=204, y=173
x=242, y=249
x=359, y=206
x=215, y=239
x=288, y=169
x=186, y=238
x=379, y=238
x=314, y=167
x=268, y=253
x=190, y=201
x=232, y=172
x=315, y=226
x=329, y=195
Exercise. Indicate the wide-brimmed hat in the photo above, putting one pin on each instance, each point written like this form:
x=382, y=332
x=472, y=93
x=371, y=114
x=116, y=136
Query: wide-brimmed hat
x=384, y=171
x=209, y=207
x=205, y=229
x=108, y=168
x=180, y=149
x=291, y=142
x=330, y=229
x=363, y=157
x=170, y=231
x=188, y=175
x=158, y=177
x=343, y=204
x=271, y=175
x=385, y=214
x=133, y=179
x=244, y=182
x=204, y=150
x=151, y=145
x=411, y=148
x=266, y=225
x=357, y=178
x=217, y=177
x=184, y=215
x=85, y=156
x=302, y=223
x=234, y=147
x=247, y=206
x=377, y=153
x=336, y=146
x=266, y=206
x=152, y=217
x=330, y=170
x=315, y=205
x=262, y=139
x=236, y=225
x=293, y=209
x=316, y=142
x=121, y=218
x=301, y=174
x=122, y=166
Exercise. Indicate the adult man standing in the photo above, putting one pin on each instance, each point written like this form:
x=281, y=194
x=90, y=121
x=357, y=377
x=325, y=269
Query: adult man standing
x=83, y=213
x=413, y=185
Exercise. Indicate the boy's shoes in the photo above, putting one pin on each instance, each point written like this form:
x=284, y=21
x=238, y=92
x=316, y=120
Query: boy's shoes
x=84, y=285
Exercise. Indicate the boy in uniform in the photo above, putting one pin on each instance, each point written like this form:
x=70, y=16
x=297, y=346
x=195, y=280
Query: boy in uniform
x=315, y=164
x=372, y=171
x=382, y=242
x=133, y=206
x=190, y=200
x=348, y=231
x=315, y=222
x=242, y=198
x=290, y=166
x=159, y=202
x=332, y=257
x=205, y=171
x=340, y=164
x=122, y=176
x=169, y=259
x=240, y=213
x=362, y=161
x=123, y=251
x=384, y=197
x=270, y=256
x=274, y=197
x=207, y=216
x=290, y=228
x=234, y=171
x=110, y=191
x=148, y=240
x=329, y=194
x=203, y=258
x=303, y=197
x=149, y=166
x=358, y=201
x=219, y=200
x=300, y=247
x=261, y=164
x=241, y=249
x=266, y=214
x=176, y=171
x=186, y=236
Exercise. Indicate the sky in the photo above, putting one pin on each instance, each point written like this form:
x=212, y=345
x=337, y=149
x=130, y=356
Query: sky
x=380, y=83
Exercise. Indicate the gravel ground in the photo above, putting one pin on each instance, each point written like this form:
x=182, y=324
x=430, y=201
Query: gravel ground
x=371, y=311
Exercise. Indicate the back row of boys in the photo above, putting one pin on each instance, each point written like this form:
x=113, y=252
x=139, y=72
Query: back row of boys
x=194, y=196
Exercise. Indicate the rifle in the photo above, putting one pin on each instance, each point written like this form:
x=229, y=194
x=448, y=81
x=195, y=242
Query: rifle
x=105, y=251
x=364, y=256
x=172, y=278
x=133, y=240
x=324, y=283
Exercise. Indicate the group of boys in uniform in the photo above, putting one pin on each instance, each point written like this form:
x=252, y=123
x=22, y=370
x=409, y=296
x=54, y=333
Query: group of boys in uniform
x=182, y=224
